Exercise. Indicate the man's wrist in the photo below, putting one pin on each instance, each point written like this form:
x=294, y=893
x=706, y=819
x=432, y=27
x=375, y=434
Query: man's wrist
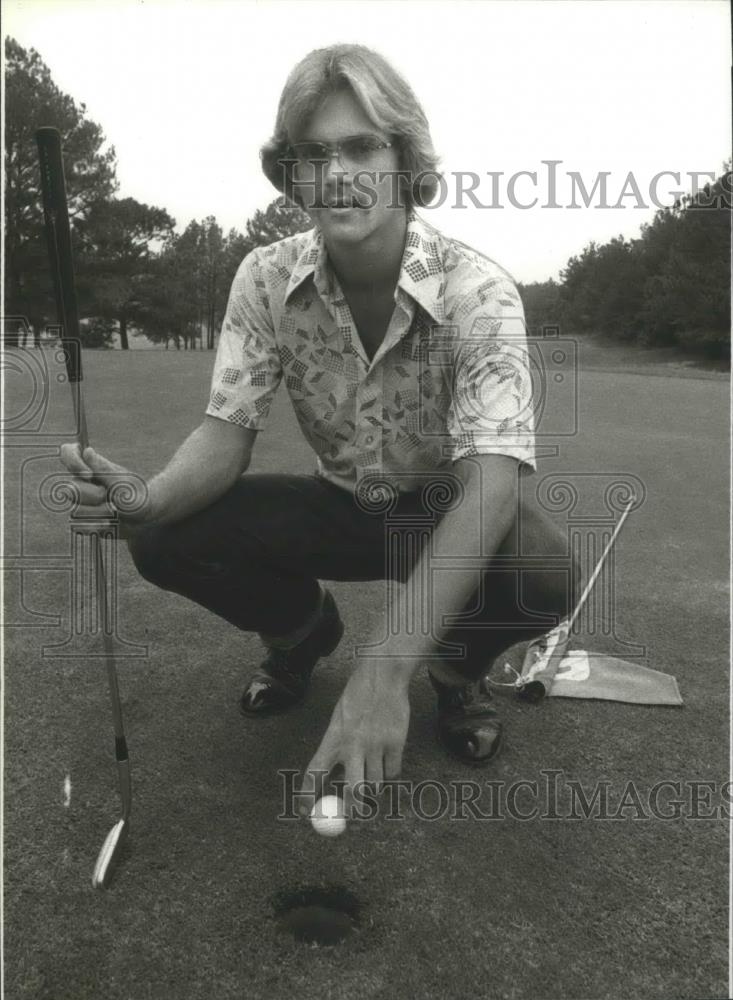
x=394, y=667
x=132, y=499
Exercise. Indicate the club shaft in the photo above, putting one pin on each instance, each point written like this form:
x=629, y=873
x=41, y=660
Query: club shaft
x=121, y=754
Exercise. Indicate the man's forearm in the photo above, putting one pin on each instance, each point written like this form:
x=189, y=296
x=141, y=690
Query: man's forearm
x=478, y=525
x=201, y=471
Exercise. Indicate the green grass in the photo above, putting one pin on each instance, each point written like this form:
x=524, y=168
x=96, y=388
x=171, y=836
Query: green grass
x=499, y=908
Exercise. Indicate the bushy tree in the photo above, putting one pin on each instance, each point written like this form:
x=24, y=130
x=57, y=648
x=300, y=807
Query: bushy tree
x=116, y=243
x=669, y=287
x=281, y=218
x=189, y=284
x=97, y=333
x=33, y=100
x=542, y=305
x=194, y=274
x=686, y=258
x=579, y=298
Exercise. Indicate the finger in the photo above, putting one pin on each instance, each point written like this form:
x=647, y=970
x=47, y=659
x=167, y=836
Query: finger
x=354, y=774
x=392, y=764
x=375, y=770
x=88, y=494
x=100, y=464
x=71, y=457
x=310, y=791
x=314, y=778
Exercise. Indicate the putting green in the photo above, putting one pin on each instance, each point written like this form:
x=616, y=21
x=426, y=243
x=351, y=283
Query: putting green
x=500, y=907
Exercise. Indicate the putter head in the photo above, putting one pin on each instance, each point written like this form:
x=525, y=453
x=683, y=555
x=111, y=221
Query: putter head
x=107, y=856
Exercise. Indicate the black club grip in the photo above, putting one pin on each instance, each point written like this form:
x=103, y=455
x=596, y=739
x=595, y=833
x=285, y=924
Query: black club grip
x=58, y=234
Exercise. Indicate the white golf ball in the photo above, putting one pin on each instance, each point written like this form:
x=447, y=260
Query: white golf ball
x=328, y=817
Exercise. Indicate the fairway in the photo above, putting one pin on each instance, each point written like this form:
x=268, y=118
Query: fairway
x=502, y=907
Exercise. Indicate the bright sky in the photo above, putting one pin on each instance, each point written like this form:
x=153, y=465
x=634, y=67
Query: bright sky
x=186, y=90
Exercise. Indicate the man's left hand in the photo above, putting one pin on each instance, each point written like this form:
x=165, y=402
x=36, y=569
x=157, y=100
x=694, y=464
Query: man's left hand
x=366, y=734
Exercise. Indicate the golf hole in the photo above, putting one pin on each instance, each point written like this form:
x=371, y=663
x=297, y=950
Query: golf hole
x=322, y=915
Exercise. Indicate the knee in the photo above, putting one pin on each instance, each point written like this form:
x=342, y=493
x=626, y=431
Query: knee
x=150, y=554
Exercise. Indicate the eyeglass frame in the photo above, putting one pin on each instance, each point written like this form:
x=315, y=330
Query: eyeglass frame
x=335, y=148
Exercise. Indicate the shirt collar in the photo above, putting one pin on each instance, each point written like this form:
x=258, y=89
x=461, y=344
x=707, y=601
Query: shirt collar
x=421, y=272
x=312, y=257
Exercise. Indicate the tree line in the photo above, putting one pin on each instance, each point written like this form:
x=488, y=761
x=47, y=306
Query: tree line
x=668, y=288
x=135, y=273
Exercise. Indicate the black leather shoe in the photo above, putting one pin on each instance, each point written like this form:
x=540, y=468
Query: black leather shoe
x=283, y=678
x=468, y=727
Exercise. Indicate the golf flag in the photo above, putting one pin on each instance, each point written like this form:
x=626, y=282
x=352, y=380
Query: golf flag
x=594, y=675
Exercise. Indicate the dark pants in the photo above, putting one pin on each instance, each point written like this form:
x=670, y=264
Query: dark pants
x=255, y=556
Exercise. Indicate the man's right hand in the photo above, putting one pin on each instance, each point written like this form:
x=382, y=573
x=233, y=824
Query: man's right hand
x=100, y=483
x=206, y=465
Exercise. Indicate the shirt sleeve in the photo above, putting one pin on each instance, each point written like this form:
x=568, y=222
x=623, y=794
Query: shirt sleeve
x=247, y=368
x=492, y=410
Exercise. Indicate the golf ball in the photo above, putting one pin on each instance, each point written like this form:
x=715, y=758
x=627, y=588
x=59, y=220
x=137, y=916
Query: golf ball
x=327, y=816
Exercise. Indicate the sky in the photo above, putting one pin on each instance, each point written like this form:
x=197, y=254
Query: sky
x=187, y=90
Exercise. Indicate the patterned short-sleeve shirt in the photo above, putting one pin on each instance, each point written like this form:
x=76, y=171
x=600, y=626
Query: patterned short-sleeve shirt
x=451, y=378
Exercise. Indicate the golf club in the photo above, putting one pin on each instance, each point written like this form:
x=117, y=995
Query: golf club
x=58, y=233
x=544, y=655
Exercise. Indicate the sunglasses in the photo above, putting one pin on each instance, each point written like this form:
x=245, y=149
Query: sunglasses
x=353, y=153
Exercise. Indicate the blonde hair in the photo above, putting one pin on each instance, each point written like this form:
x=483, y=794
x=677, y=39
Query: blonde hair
x=385, y=97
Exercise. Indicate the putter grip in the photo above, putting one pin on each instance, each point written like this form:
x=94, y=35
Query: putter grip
x=58, y=234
